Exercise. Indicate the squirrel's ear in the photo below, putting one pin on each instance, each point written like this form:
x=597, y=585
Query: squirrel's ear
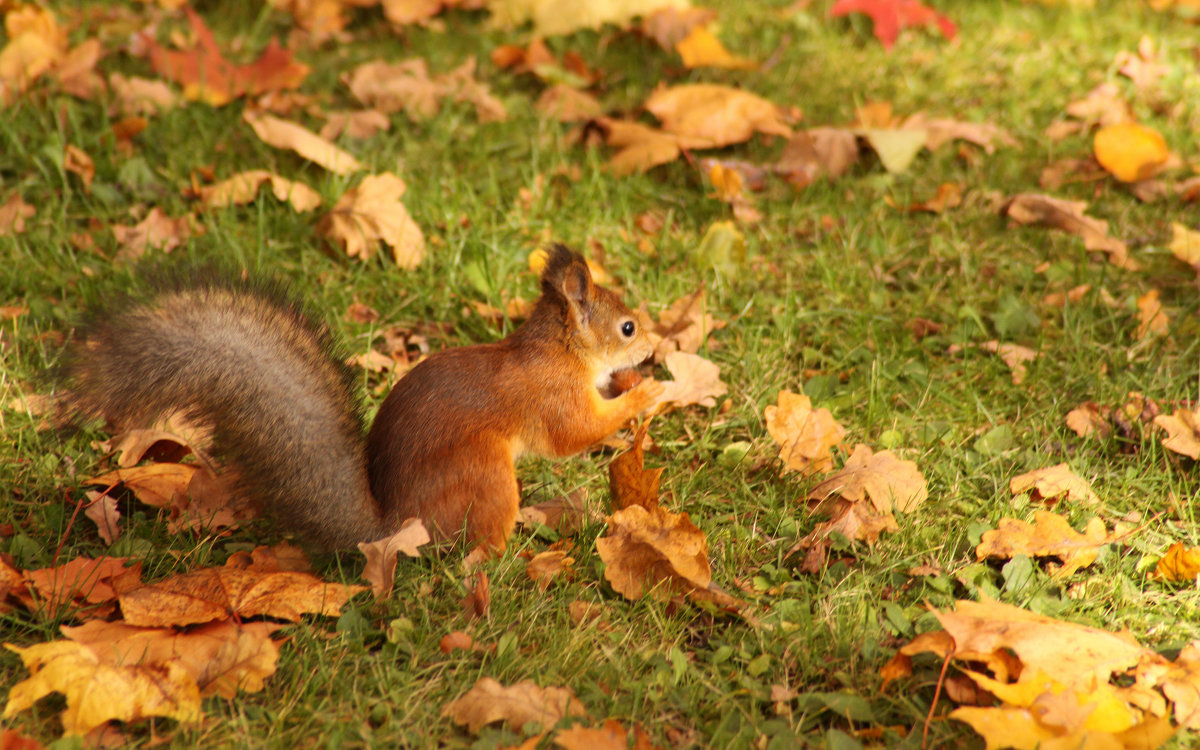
x=567, y=274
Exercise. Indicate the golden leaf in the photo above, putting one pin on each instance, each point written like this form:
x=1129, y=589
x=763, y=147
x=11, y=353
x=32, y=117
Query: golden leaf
x=805, y=435
x=654, y=550
x=882, y=477
x=489, y=701
x=372, y=213
x=1131, y=152
x=1048, y=536
x=1054, y=481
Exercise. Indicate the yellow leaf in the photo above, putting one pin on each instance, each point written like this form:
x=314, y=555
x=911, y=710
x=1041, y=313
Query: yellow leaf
x=96, y=692
x=555, y=17
x=1183, y=432
x=722, y=115
x=1152, y=320
x=1052, y=482
x=882, y=477
x=1185, y=244
x=655, y=550
x=282, y=134
x=1131, y=152
x=1049, y=536
x=371, y=213
x=1178, y=564
x=805, y=435
x=243, y=188
x=701, y=49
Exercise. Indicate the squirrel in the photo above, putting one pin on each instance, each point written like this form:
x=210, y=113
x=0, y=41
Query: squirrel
x=246, y=362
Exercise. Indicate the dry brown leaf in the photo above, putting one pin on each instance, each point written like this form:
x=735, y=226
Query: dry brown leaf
x=408, y=87
x=942, y=130
x=640, y=147
x=819, y=152
x=243, y=188
x=35, y=43
x=81, y=583
x=683, y=326
x=1183, y=432
x=489, y=701
x=1013, y=355
x=282, y=134
x=566, y=514
x=140, y=96
x=856, y=521
x=359, y=125
x=611, y=736
x=222, y=657
x=805, y=435
x=1049, y=483
x=566, y=104
x=372, y=213
x=217, y=593
x=697, y=382
x=629, y=482
x=1043, y=210
x=548, y=565
x=654, y=550
x=721, y=115
x=1090, y=418
x=880, y=477
x=159, y=485
x=102, y=510
x=949, y=195
x=156, y=231
x=1050, y=535
x=207, y=76
x=670, y=25
x=1143, y=66
x=1103, y=105
x=77, y=161
x=97, y=693
x=380, y=567
x=13, y=213
x=1152, y=319
x=478, y=601
x=1181, y=685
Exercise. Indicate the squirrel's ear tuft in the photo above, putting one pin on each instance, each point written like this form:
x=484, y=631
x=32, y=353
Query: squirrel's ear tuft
x=566, y=275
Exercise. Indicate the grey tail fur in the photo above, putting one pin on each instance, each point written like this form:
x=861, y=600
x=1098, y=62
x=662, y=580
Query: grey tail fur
x=252, y=367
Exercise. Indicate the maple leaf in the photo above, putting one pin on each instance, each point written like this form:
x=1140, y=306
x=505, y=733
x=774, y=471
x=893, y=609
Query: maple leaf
x=718, y=115
x=1178, y=563
x=654, y=550
x=1043, y=210
x=856, y=521
x=140, y=96
x=206, y=75
x=683, y=326
x=1183, y=432
x=697, y=382
x=1053, y=481
x=818, y=152
x=805, y=435
x=154, y=484
x=891, y=16
x=516, y=705
x=155, y=231
x=380, y=568
x=96, y=692
x=566, y=104
x=881, y=477
x=611, y=736
x=371, y=213
x=243, y=187
x=1050, y=535
x=84, y=583
x=548, y=565
x=408, y=87
x=217, y=593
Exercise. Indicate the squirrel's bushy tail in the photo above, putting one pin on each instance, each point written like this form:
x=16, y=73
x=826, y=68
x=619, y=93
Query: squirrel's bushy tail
x=254, y=369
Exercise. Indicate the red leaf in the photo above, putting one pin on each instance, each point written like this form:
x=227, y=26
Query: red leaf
x=890, y=16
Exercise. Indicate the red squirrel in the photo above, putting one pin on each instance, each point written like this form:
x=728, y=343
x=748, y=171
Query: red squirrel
x=248, y=364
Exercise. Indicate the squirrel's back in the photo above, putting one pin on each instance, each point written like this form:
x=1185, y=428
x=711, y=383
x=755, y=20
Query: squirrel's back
x=251, y=366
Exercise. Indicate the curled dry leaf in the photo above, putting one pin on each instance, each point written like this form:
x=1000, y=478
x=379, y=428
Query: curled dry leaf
x=1043, y=210
x=380, y=568
x=77, y=161
x=1178, y=563
x=1051, y=482
x=1152, y=319
x=516, y=705
x=102, y=510
x=212, y=594
x=478, y=601
x=721, y=115
x=654, y=550
x=856, y=521
x=1013, y=355
x=548, y=565
x=372, y=213
x=96, y=692
x=1050, y=535
x=282, y=134
x=155, y=231
x=683, y=326
x=629, y=482
x=222, y=657
x=806, y=436
x=1183, y=432
x=697, y=382
x=243, y=188
x=884, y=479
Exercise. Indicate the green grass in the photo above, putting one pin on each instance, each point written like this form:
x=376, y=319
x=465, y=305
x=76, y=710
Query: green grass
x=833, y=276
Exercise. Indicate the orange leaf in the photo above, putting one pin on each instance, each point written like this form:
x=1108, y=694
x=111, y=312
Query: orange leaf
x=700, y=49
x=886, y=480
x=380, y=568
x=1049, y=536
x=1131, y=152
x=805, y=435
x=654, y=550
x=489, y=701
x=372, y=213
x=720, y=115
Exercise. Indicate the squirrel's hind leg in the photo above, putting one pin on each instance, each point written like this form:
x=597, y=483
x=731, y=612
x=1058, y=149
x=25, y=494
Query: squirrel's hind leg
x=480, y=496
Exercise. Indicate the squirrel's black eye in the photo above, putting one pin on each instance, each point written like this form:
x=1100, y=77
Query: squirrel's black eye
x=627, y=328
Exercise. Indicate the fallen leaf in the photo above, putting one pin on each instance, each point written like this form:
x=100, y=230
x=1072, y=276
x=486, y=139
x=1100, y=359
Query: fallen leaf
x=76, y=161
x=1185, y=244
x=1103, y=105
x=697, y=382
x=805, y=435
x=700, y=49
x=408, y=87
x=566, y=514
x=565, y=104
x=13, y=213
x=546, y=566
x=282, y=134
x=488, y=701
x=1141, y=67
x=212, y=594
x=371, y=213
x=941, y=130
x=654, y=550
x=1183, y=432
x=640, y=147
x=1131, y=152
x=721, y=115
x=455, y=640
x=79, y=583
x=102, y=510
x=1090, y=419
x=683, y=326
x=949, y=195
x=380, y=567
x=857, y=521
x=891, y=16
x=243, y=187
x=629, y=482
x=1178, y=563
x=140, y=96
x=207, y=76
x=156, y=231
x=158, y=485
x=1043, y=210
x=1152, y=319
x=478, y=601
x=880, y=477
x=1048, y=536
x=360, y=125
x=611, y=736
x=670, y=25
x=1051, y=482
x=558, y=17
x=819, y=152
x=896, y=148
x=97, y=693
